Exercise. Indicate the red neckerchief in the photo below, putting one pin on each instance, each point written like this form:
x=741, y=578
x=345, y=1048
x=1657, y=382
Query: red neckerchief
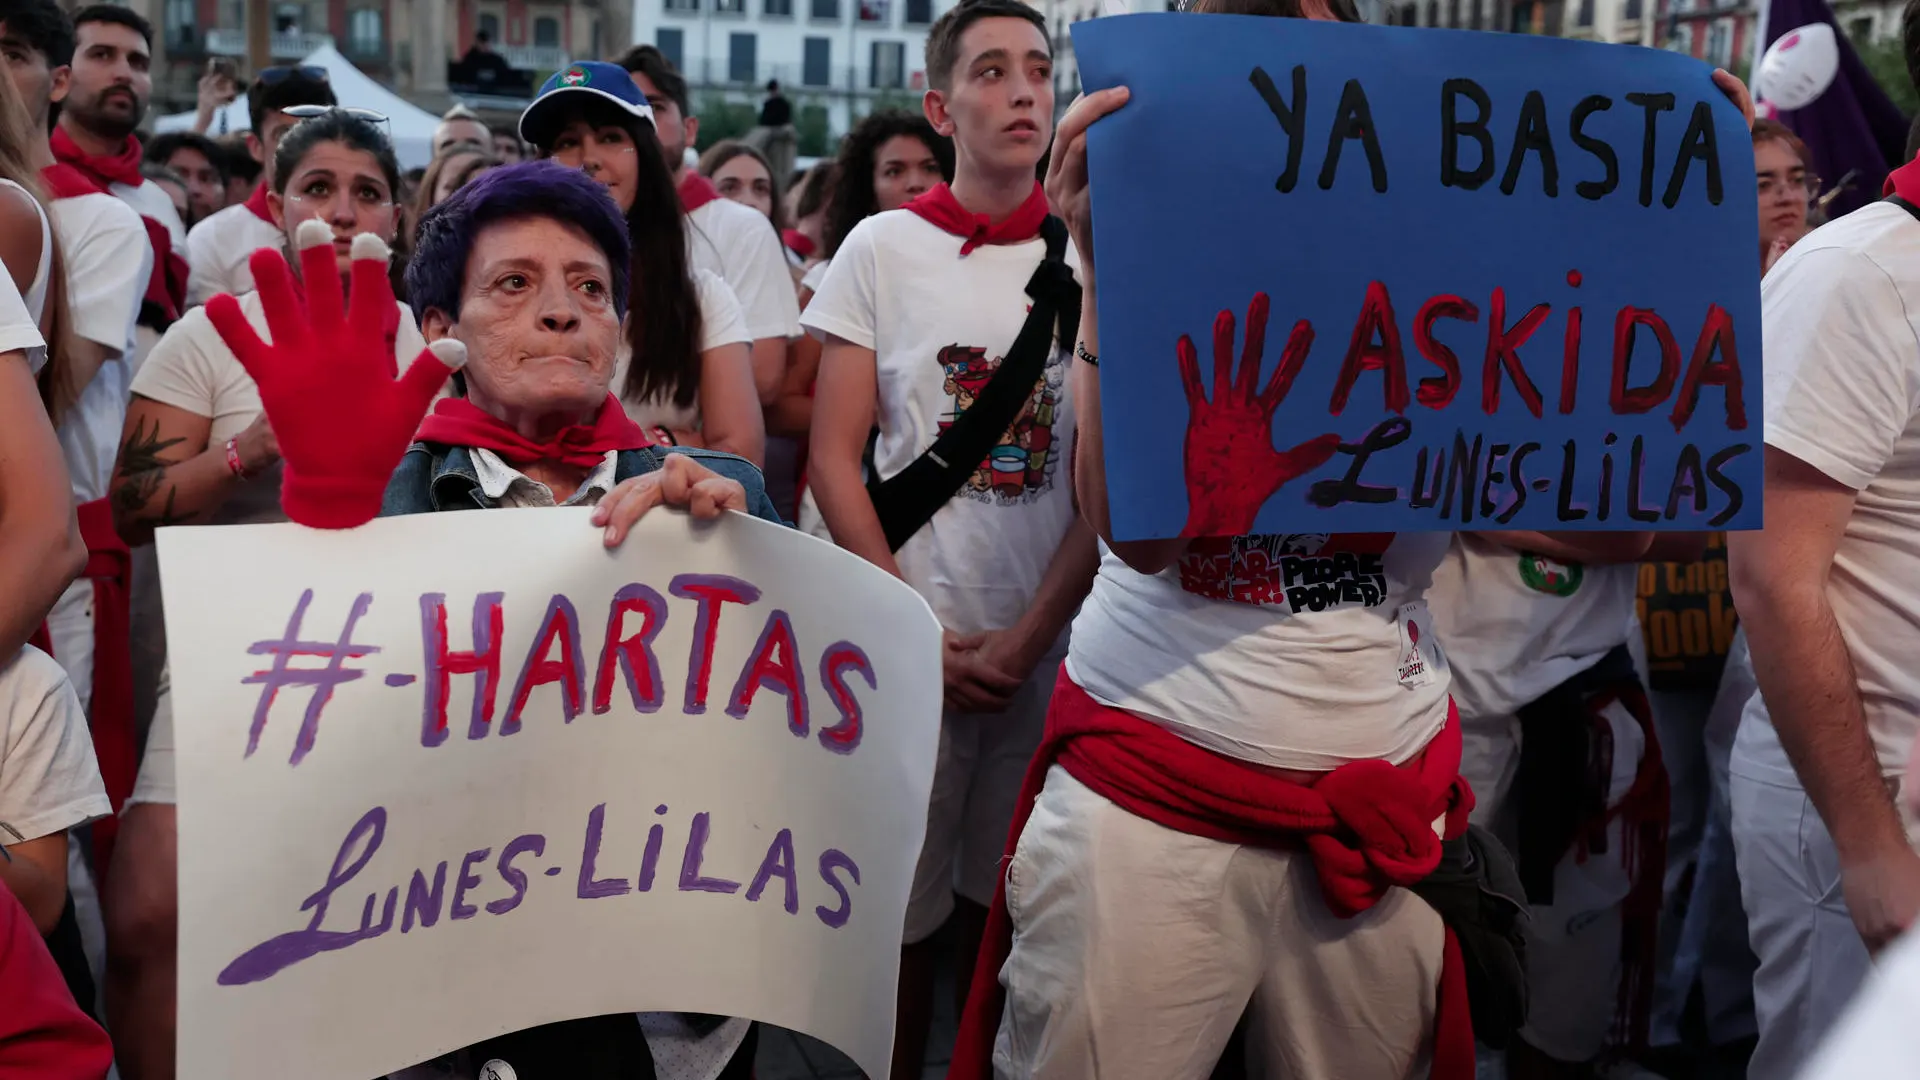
x=459, y=422
x=120, y=168
x=167, y=285
x=941, y=208
x=696, y=191
x=798, y=242
x=1367, y=826
x=257, y=204
x=63, y=181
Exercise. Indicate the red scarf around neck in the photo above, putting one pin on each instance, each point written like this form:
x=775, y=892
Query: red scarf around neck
x=696, y=191
x=798, y=242
x=167, y=285
x=257, y=204
x=459, y=422
x=1904, y=182
x=941, y=208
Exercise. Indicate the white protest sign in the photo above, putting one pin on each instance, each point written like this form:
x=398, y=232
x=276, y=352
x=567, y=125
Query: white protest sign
x=449, y=776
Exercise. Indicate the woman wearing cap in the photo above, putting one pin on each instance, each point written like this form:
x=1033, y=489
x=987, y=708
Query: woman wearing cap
x=522, y=277
x=686, y=373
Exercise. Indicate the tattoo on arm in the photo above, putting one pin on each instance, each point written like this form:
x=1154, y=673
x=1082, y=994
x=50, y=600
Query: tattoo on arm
x=142, y=472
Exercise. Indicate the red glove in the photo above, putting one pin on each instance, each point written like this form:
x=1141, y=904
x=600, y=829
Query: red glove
x=341, y=418
x=1232, y=467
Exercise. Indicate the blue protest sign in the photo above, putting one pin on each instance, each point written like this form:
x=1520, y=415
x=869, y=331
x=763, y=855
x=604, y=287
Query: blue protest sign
x=1368, y=279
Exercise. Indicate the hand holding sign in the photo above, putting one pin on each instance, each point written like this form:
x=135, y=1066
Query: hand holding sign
x=1232, y=467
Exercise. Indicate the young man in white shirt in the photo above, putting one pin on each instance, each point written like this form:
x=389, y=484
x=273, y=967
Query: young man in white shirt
x=219, y=246
x=734, y=241
x=1827, y=595
x=918, y=314
x=110, y=84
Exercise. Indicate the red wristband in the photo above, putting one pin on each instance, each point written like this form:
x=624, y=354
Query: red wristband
x=233, y=458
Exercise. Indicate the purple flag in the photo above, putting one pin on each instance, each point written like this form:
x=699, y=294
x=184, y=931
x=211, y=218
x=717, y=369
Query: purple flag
x=1853, y=127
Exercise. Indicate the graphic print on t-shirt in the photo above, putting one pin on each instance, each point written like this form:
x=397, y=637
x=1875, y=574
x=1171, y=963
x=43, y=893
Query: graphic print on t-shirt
x=1020, y=468
x=1298, y=571
x=1554, y=578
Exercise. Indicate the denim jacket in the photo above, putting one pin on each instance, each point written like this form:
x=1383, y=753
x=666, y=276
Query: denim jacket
x=434, y=477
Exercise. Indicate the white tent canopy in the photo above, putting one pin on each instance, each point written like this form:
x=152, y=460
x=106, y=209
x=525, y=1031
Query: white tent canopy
x=412, y=127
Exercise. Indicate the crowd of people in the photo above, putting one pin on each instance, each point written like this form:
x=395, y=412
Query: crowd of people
x=1463, y=819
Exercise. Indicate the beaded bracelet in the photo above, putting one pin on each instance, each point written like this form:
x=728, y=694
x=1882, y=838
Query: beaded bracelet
x=1080, y=350
x=234, y=464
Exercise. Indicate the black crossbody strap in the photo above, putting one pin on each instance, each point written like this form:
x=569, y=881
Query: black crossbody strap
x=907, y=500
x=1905, y=205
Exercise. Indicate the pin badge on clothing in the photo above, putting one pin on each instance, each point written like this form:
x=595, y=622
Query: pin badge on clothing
x=1419, y=653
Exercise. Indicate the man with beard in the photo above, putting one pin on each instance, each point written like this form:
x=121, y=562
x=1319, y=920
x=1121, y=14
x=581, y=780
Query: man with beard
x=106, y=100
x=725, y=237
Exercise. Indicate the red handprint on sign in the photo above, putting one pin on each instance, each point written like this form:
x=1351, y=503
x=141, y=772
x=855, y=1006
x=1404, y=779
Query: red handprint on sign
x=1232, y=466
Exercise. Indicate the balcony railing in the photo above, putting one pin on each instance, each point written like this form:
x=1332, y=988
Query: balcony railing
x=534, y=57
x=717, y=73
x=294, y=45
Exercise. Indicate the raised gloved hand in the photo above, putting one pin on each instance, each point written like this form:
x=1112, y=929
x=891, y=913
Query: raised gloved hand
x=327, y=382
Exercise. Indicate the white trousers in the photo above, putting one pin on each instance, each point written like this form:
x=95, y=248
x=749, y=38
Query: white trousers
x=1137, y=948
x=1812, y=960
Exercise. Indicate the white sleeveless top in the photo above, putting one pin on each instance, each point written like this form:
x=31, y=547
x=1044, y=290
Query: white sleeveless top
x=36, y=296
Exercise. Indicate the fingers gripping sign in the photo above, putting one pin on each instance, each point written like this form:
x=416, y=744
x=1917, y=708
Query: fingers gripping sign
x=1232, y=468
x=327, y=379
x=681, y=483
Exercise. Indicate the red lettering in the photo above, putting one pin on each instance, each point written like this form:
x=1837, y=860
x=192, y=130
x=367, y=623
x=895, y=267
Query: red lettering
x=1501, y=346
x=443, y=663
x=710, y=591
x=1716, y=335
x=1375, y=346
x=1627, y=400
x=773, y=664
x=1437, y=391
x=561, y=627
x=633, y=654
x=1570, y=360
x=840, y=658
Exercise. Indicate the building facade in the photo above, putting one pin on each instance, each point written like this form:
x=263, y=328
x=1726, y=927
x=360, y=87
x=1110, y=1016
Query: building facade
x=848, y=56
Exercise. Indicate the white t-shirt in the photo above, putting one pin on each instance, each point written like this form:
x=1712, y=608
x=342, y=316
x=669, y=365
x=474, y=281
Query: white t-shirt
x=1515, y=626
x=19, y=330
x=739, y=244
x=218, y=249
x=108, y=263
x=192, y=369
x=815, y=274
x=1302, y=651
x=49, y=780
x=151, y=200
x=721, y=323
x=939, y=325
x=34, y=303
x=1840, y=315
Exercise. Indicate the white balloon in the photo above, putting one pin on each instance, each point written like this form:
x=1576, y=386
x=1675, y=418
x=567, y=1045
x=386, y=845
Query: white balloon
x=1799, y=67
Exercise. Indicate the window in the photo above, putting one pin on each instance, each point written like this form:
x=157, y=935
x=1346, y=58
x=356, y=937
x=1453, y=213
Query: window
x=490, y=26
x=683, y=5
x=180, y=25
x=1861, y=29
x=779, y=9
x=740, y=58
x=889, y=71
x=826, y=10
x=546, y=32
x=816, y=67
x=365, y=28
x=1719, y=42
x=919, y=12
x=1682, y=41
x=730, y=7
x=1585, y=17
x=873, y=11
x=672, y=43
x=1521, y=17
x=1632, y=13
x=1475, y=21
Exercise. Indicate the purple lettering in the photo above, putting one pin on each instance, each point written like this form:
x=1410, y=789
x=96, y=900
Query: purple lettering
x=423, y=903
x=710, y=591
x=515, y=879
x=840, y=658
x=560, y=626
x=443, y=663
x=461, y=909
x=322, y=679
x=690, y=879
x=588, y=887
x=650, y=859
x=282, y=951
x=778, y=863
x=633, y=653
x=830, y=861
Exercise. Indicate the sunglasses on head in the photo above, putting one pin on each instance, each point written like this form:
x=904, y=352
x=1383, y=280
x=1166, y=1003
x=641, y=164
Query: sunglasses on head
x=308, y=112
x=273, y=76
